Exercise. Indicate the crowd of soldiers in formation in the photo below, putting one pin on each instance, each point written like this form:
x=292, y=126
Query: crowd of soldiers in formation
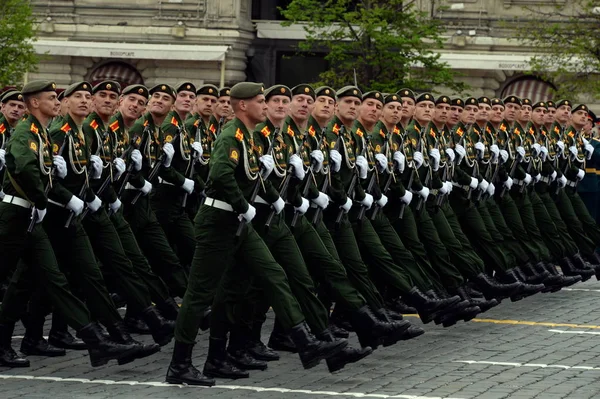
x=242, y=199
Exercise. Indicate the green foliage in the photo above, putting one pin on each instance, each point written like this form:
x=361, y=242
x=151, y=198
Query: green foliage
x=569, y=39
x=16, y=33
x=389, y=43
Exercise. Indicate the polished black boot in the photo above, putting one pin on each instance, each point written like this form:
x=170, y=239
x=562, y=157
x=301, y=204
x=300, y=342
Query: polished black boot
x=101, y=349
x=239, y=355
x=60, y=336
x=373, y=330
x=581, y=263
x=280, y=340
x=449, y=312
x=136, y=325
x=119, y=334
x=168, y=309
x=400, y=326
x=569, y=269
x=312, y=350
x=491, y=288
x=563, y=280
x=337, y=331
x=466, y=314
x=345, y=356
x=8, y=357
x=532, y=275
x=428, y=306
x=181, y=370
x=257, y=349
x=400, y=306
x=482, y=303
x=218, y=364
x=33, y=343
x=162, y=330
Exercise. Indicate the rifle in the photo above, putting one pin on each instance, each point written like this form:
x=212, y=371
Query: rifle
x=340, y=215
x=336, y=147
x=309, y=177
x=374, y=178
x=257, y=185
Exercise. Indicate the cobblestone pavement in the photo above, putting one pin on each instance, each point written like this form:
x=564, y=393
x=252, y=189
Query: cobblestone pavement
x=546, y=346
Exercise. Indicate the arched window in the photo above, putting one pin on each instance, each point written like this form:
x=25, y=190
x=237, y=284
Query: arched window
x=123, y=73
x=529, y=87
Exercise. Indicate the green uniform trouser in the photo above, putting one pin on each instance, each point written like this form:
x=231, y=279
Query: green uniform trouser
x=590, y=199
x=532, y=231
x=477, y=265
x=215, y=266
x=561, y=227
x=589, y=223
x=75, y=256
x=585, y=243
x=511, y=244
x=173, y=218
x=154, y=244
x=37, y=261
x=510, y=259
x=550, y=234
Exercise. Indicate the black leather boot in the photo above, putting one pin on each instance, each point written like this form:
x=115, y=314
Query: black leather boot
x=491, y=288
x=563, y=280
x=532, y=275
x=218, y=364
x=400, y=306
x=8, y=357
x=119, y=334
x=60, y=336
x=466, y=314
x=581, y=263
x=136, y=325
x=428, y=306
x=555, y=282
x=33, y=343
x=337, y=331
x=345, y=356
x=570, y=269
x=312, y=350
x=239, y=355
x=280, y=340
x=182, y=371
x=257, y=348
x=168, y=309
x=162, y=330
x=372, y=331
x=448, y=312
x=482, y=303
x=101, y=349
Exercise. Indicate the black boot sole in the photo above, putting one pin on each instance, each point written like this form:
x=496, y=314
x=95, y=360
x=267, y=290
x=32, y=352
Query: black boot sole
x=102, y=360
x=140, y=355
x=340, y=345
x=338, y=366
x=215, y=374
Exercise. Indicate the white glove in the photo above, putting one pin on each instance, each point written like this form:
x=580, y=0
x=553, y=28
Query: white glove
x=508, y=183
x=585, y=142
x=60, y=166
x=537, y=149
x=119, y=168
x=382, y=201
x=417, y=159
x=136, y=159
x=95, y=204
x=249, y=215
x=543, y=153
x=169, y=152
x=474, y=183
x=573, y=150
x=449, y=186
x=317, y=157
x=480, y=148
x=589, y=150
x=146, y=188
x=278, y=205
x=483, y=186
x=382, y=162
x=39, y=214
x=95, y=167
x=2, y=158
x=75, y=205
x=562, y=181
x=537, y=178
x=561, y=146
x=424, y=193
x=400, y=160
x=298, y=165
x=444, y=189
x=367, y=201
x=521, y=152
x=407, y=198
x=580, y=174
x=362, y=165
x=322, y=200
x=115, y=206
x=451, y=154
x=336, y=160
x=197, y=148
x=346, y=207
x=553, y=175
x=302, y=208
x=504, y=155
x=268, y=163
x=527, y=179
x=188, y=185
x=435, y=156
x=460, y=152
x=491, y=190
x=495, y=152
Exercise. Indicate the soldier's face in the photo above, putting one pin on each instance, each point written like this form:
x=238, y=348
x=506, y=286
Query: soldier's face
x=497, y=113
x=13, y=110
x=185, y=101
x=324, y=107
x=205, y=104
x=549, y=117
x=255, y=108
x=511, y=111
x=424, y=111
x=563, y=114
x=524, y=114
x=391, y=113
x=370, y=110
x=468, y=115
x=160, y=103
x=579, y=118
x=301, y=107
x=105, y=102
x=80, y=103
x=408, y=107
x=278, y=107
x=440, y=115
x=132, y=106
x=64, y=106
x=222, y=107
x=455, y=114
x=347, y=108
x=484, y=113
x=46, y=103
x=538, y=116
x=587, y=129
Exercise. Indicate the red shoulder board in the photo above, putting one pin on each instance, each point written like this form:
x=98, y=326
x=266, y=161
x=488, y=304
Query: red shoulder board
x=556, y=130
x=290, y=131
x=396, y=130
x=571, y=133
x=460, y=132
x=335, y=129
x=517, y=131
x=174, y=121
x=197, y=122
x=311, y=131
x=2, y=129
x=239, y=135
x=66, y=128
x=531, y=131
x=359, y=132
x=265, y=131
x=431, y=132
x=417, y=128
x=487, y=129
x=34, y=128
x=114, y=126
x=503, y=127
x=94, y=124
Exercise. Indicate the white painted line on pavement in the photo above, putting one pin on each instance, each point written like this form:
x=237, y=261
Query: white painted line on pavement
x=575, y=332
x=231, y=387
x=539, y=365
x=580, y=289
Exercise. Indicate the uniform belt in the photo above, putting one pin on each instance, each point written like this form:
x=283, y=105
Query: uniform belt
x=313, y=205
x=259, y=200
x=465, y=187
x=215, y=203
x=10, y=199
x=518, y=182
x=571, y=183
x=57, y=203
x=161, y=181
x=546, y=180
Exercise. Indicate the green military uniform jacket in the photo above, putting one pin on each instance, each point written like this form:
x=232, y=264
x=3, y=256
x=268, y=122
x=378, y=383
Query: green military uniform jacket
x=5, y=133
x=468, y=168
x=573, y=138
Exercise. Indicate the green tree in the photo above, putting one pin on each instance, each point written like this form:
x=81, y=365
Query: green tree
x=390, y=43
x=568, y=40
x=16, y=34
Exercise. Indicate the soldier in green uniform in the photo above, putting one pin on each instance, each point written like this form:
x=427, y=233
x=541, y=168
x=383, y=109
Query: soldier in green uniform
x=588, y=187
x=13, y=109
x=235, y=172
x=221, y=110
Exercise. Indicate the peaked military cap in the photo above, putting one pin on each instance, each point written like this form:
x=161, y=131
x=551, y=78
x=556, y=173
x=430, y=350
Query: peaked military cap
x=38, y=86
x=540, y=104
x=526, y=101
x=325, y=91
x=109, y=85
x=12, y=95
x=484, y=100
x=592, y=116
x=349, y=91
x=244, y=90
x=304, y=89
x=278, y=90
x=580, y=107
x=457, y=102
x=471, y=101
x=163, y=88
x=564, y=102
x=442, y=100
x=224, y=91
x=376, y=95
x=79, y=86
x=425, y=97
x=186, y=86
x=406, y=93
x=512, y=100
x=60, y=94
x=140, y=90
x=390, y=98
x=496, y=101
x=551, y=104
x=207, y=90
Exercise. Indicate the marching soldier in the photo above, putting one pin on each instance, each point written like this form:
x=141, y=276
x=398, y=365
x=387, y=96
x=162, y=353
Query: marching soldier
x=13, y=109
